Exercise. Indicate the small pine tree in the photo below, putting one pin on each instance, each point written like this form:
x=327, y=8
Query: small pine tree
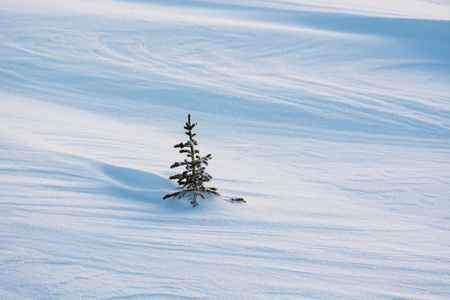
x=192, y=179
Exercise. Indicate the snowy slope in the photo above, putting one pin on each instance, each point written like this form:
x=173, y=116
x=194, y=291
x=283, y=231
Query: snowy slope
x=331, y=120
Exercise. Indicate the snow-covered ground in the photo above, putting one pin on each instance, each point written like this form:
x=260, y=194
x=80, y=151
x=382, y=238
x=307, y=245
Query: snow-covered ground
x=331, y=120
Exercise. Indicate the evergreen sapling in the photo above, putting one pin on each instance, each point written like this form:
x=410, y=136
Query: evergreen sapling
x=192, y=178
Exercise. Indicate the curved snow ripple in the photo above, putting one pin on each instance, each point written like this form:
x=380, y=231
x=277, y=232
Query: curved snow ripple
x=360, y=77
x=135, y=184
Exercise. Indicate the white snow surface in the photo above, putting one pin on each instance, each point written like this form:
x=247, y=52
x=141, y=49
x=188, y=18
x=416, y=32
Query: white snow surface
x=331, y=119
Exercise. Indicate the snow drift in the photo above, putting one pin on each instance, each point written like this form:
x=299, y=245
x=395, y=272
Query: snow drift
x=331, y=120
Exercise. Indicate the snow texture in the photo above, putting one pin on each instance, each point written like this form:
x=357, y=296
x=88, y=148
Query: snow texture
x=331, y=120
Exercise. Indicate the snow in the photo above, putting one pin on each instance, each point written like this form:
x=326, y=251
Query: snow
x=331, y=120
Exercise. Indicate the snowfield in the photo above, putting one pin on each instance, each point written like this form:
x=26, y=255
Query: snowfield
x=331, y=120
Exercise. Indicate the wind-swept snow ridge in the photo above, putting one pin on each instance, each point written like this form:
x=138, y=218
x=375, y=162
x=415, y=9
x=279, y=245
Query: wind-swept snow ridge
x=313, y=80
x=331, y=120
x=417, y=9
